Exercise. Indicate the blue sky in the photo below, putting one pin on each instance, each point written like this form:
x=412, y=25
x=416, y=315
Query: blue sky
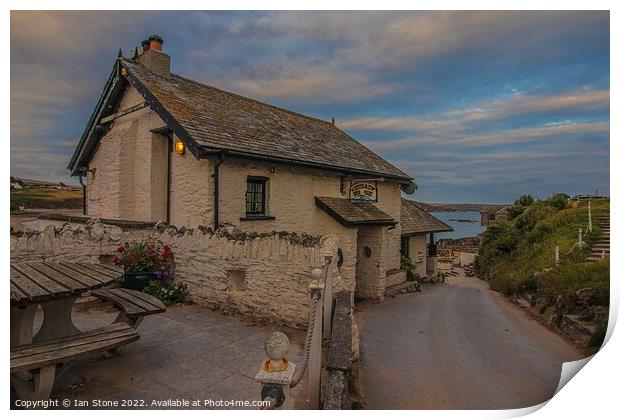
x=476, y=106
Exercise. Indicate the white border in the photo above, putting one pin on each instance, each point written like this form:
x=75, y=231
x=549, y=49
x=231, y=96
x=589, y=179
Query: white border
x=592, y=394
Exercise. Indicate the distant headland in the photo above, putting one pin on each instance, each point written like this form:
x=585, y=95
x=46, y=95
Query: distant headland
x=455, y=206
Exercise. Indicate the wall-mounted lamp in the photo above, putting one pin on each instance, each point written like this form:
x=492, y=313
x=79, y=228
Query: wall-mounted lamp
x=179, y=148
x=272, y=170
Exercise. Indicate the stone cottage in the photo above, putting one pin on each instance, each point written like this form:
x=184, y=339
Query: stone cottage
x=159, y=146
x=417, y=237
x=492, y=214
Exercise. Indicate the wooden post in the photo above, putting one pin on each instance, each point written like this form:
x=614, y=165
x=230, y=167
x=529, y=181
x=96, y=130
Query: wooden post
x=557, y=256
x=589, y=217
x=579, y=238
x=328, y=299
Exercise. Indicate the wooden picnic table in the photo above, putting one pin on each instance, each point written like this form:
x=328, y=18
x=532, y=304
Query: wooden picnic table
x=55, y=286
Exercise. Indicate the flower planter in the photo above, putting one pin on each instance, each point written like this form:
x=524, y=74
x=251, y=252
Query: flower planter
x=137, y=281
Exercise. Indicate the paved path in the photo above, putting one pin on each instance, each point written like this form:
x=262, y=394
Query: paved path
x=456, y=346
x=188, y=352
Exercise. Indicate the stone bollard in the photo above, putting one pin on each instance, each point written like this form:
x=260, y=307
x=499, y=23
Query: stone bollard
x=579, y=239
x=276, y=373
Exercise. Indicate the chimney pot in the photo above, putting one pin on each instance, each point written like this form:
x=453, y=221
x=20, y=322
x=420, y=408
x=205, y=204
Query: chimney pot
x=152, y=57
x=155, y=42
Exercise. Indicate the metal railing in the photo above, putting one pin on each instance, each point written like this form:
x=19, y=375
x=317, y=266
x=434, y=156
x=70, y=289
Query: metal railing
x=276, y=374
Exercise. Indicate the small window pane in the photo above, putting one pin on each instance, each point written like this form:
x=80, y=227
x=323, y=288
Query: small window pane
x=255, y=197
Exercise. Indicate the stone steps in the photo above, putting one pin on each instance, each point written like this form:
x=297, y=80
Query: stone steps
x=599, y=247
x=602, y=246
x=596, y=257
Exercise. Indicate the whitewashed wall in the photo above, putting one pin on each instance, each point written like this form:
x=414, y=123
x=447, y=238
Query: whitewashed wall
x=264, y=276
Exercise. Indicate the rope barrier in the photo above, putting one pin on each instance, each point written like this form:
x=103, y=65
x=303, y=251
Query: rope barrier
x=301, y=368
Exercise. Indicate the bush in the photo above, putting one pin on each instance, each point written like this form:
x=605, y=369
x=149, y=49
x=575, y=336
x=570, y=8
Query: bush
x=598, y=337
x=514, y=211
x=168, y=292
x=573, y=276
x=510, y=253
x=532, y=215
x=409, y=267
x=559, y=201
x=524, y=200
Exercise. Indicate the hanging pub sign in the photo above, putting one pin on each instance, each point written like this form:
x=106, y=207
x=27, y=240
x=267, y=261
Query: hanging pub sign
x=363, y=190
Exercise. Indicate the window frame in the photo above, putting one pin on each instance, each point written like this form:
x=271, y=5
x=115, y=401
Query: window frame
x=257, y=180
x=404, y=246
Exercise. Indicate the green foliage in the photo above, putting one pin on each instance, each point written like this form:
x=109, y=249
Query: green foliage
x=532, y=215
x=45, y=198
x=168, y=292
x=145, y=256
x=514, y=211
x=511, y=252
x=409, y=267
x=499, y=239
x=598, y=337
x=573, y=276
x=558, y=201
x=524, y=201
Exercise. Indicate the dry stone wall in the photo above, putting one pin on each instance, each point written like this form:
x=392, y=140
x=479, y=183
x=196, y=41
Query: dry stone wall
x=261, y=275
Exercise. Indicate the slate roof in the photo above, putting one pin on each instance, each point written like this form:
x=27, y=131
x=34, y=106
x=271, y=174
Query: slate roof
x=414, y=220
x=492, y=209
x=353, y=213
x=211, y=120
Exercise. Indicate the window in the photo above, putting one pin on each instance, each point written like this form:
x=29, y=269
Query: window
x=255, y=196
x=367, y=252
x=404, y=246
x=340, y=257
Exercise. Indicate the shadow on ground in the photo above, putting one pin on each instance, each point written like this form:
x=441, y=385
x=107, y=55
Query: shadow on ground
x=189, y=352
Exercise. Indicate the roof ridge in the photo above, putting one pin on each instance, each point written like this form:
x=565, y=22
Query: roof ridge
x=299, y=114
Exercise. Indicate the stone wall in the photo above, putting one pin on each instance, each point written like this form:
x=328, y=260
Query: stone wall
x=264, y=276
x=126, y=179
x=371, y=262
x=417, y=253
x=290, y=201
x=340, y=354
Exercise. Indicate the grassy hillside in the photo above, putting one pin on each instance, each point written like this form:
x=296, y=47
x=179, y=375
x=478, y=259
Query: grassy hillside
x=45, y=198
x=511, y=252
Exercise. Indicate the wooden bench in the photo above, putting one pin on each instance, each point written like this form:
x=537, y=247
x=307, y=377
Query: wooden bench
x=33, y=366
x=133, y=305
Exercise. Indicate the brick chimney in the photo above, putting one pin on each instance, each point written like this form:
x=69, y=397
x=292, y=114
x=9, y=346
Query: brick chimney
x=153, y=58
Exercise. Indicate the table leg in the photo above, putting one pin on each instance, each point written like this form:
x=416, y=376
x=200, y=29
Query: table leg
x=38, y=388
x=57, y=321
x=22, y=323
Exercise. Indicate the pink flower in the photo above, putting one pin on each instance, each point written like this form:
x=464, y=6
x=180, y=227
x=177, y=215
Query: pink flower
x=120, y=249
x=117, y=260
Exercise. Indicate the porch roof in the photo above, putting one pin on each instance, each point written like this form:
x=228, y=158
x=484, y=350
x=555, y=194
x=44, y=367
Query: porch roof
x=414, y=220
x=353, y=213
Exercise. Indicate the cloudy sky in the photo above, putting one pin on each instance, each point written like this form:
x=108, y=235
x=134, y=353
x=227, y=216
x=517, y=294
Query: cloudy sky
x=476, y=106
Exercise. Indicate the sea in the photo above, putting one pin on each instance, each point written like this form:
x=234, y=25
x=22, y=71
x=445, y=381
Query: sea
x=462, y=228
